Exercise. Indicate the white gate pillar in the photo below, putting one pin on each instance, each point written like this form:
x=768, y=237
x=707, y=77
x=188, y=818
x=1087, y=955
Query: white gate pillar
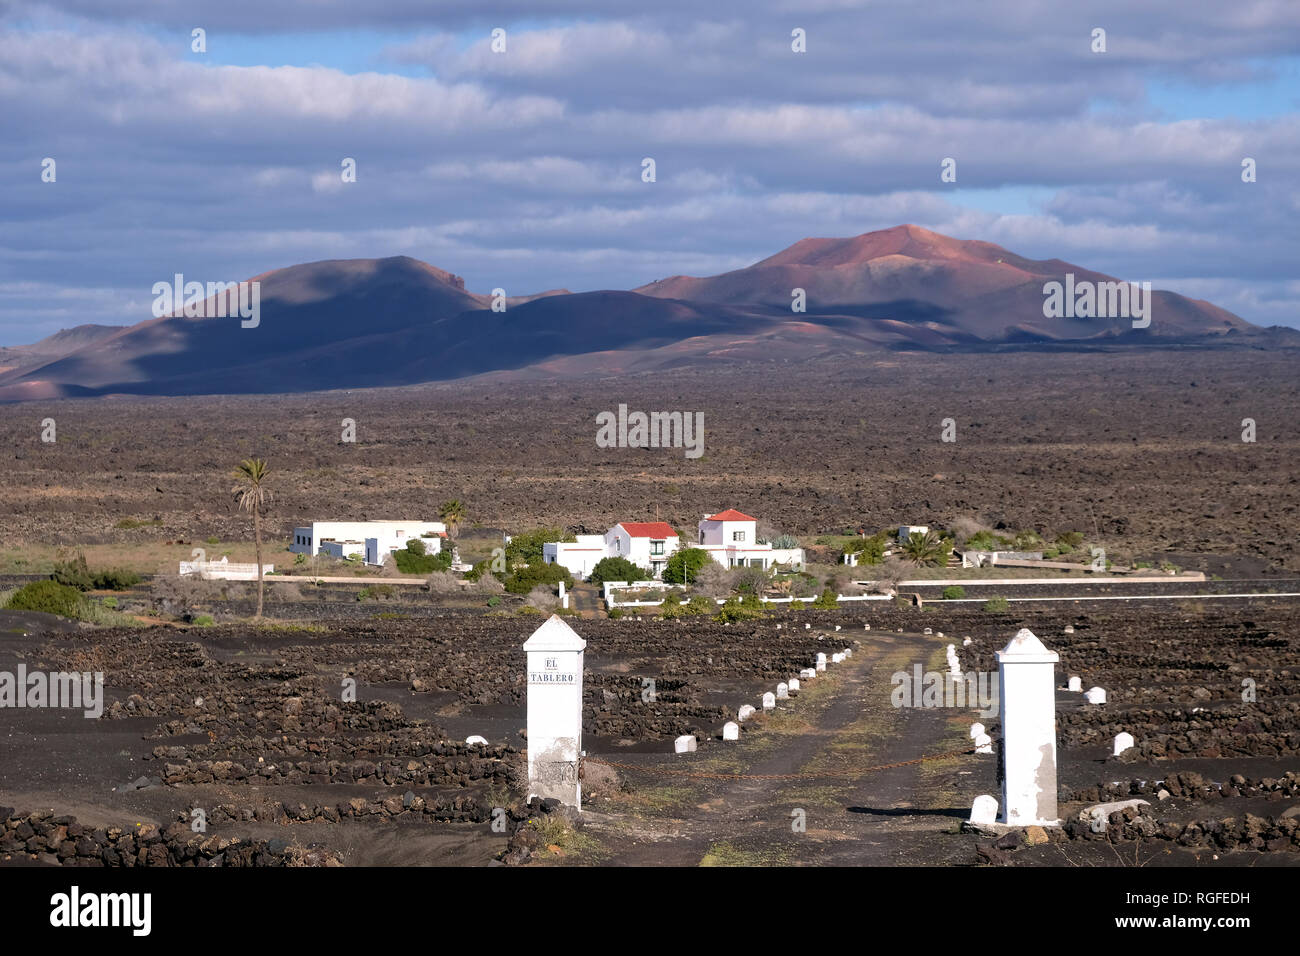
x=555, y=712
x=1028, y=690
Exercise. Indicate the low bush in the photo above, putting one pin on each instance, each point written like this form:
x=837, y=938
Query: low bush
x=413, y=560
x=826, y=600
x=543, y=599
x=444, y=582
x=699, y=606
x=73, y=573
x=48, y=597
x=740, y=609
x=522, y=580
x=996, y=604
x=953, y=592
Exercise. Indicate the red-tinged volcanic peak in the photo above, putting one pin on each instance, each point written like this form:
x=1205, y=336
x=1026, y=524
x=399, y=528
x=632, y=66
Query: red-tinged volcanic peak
x=956, y=287
x=909, y=241
x=361, y=323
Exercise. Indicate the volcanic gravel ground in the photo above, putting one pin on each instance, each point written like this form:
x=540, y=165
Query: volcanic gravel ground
x=1140, y=451
x=248, y=723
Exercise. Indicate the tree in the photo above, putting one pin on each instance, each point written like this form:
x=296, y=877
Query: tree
x=891, y=574
x=869, y=550
x=750, y=580
x=683, y=566
x=526, y=547
x=618, y=569
x=926, y=549
x=713, y=580
x=452, y=514
x=252, y=495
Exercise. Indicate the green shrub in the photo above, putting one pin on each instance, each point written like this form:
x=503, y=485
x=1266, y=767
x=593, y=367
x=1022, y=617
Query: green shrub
x=699, y=606
x=110, y=603
x=1069, y=541
x=526, y=547
x=413, y=560
x=683, y=565
x=826, y=600
x=203, y=620
x=618, y=569
x=734, y=609
x=73, y=573
x=375, y=592
x=869, y=550
x=803, y=585
x=522, y=580
x=115, y=579
x=996, y=604
x=494, y=601
x=615, y=612
x=953, y=592
x=48, y=597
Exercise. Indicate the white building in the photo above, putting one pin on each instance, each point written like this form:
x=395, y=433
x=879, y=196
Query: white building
x=647, y=544
x=373, y=540
x=729, y=538
x=907, y=530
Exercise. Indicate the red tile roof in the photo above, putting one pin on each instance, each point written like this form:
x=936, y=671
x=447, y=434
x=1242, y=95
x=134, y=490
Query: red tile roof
x=731, y=514
x=649, y=529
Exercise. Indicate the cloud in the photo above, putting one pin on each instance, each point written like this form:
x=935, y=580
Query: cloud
x=523, y=169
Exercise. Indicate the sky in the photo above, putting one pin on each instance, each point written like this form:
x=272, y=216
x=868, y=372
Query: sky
x=523, y=169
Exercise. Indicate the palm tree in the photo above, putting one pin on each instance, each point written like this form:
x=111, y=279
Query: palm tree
x=252, y=495
x=923, y=549
x=452, y=513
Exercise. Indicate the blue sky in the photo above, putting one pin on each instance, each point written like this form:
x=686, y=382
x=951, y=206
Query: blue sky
x=522, y=170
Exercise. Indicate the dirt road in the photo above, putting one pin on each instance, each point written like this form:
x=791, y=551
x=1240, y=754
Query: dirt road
x=806, y=762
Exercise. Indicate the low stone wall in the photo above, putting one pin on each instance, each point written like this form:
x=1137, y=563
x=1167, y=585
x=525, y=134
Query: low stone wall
x=59, y=839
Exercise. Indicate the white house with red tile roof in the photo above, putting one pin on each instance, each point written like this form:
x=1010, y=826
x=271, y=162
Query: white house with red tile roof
x=729, y=537
x=647, y=544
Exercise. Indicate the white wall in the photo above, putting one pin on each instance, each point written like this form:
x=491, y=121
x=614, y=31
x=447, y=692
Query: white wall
x=579, y=557
x=390, y=535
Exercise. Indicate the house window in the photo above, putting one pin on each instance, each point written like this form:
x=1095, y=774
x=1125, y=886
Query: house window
x=656, y=547
x=737, y=536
